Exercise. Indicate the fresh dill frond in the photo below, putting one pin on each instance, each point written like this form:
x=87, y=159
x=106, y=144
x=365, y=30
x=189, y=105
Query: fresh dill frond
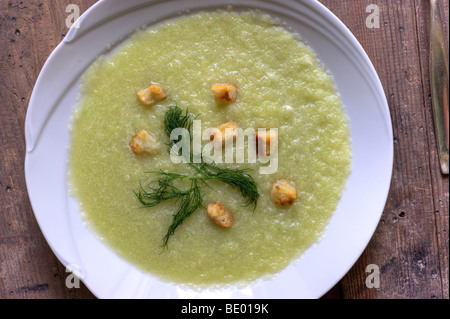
x=189, y=203
x=164, y=189
x=191, y=199
x=236, y=178
x=176, y=119
x=161, y=190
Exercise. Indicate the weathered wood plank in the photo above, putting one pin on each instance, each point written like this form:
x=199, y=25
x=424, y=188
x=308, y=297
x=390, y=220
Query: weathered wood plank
x=440, y=182
x=29, y=31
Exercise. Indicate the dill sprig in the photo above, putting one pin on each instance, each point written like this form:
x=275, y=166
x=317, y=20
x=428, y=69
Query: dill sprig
x=191, y=199
x=236, y=178
x=161, y=190
x=176, y=119
x=164, y=189
x=189, y=203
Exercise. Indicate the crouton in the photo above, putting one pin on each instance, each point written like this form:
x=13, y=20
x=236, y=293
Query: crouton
x=144, y=143
x=224, y=132
x=224, y=93
x=219, y=215
x=283, y=193
x=151, y=94
x=266, y=142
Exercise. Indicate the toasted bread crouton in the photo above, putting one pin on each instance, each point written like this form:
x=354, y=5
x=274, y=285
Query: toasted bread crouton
x=266, y=142
x=219, y=215
x=224, y=93
x=151, y=94
x=283, y=193
x=224, y=132
x=145, y=143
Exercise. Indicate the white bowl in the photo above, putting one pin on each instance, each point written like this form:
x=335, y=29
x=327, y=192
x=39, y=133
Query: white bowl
x=108, y=276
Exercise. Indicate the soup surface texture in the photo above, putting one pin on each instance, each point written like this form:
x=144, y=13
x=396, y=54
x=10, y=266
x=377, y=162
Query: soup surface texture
x=281, y=84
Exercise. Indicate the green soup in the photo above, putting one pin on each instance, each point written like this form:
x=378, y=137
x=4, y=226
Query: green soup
x=281, y=84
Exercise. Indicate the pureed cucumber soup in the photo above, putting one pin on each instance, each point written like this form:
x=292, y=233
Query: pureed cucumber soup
x=280, y=84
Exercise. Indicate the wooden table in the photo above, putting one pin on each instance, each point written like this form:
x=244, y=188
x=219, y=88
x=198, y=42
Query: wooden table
x=411, y=243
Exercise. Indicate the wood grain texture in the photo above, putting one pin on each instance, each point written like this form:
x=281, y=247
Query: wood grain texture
x=29, y=31
x=410, y=245
x=440, y=185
